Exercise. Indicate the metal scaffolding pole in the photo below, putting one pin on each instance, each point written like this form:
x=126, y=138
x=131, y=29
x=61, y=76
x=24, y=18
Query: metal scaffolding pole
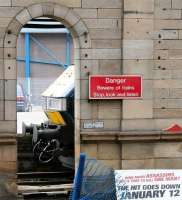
x=27, y=63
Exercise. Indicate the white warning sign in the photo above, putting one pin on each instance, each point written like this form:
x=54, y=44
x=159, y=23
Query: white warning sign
x=148, y=184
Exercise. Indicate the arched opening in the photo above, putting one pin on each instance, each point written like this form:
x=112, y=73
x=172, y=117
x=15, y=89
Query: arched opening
x=80, y=39
x=45, y=96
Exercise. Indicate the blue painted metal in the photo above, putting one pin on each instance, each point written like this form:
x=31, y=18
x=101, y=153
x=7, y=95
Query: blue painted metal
x=78, y=178
x=68, y=49
x=41, y=61
x=47, y=50
x=27, y=63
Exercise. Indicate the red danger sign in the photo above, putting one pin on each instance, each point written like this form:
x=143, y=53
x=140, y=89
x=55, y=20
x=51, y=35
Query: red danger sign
x=115, y=86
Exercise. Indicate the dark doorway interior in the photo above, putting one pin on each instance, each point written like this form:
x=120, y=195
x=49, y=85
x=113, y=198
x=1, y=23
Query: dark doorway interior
x=45, y=120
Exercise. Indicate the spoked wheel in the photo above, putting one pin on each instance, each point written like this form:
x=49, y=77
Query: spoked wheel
x=48, y=153
x=39, y=147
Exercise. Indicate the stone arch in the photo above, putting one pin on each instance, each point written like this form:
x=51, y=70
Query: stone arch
x=81, y=39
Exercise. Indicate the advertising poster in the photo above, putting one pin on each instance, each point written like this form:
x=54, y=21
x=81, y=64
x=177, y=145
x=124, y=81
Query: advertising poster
x=149, y=184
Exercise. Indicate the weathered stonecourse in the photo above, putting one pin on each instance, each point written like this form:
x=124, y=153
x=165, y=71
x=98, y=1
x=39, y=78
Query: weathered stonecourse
x=111, y=37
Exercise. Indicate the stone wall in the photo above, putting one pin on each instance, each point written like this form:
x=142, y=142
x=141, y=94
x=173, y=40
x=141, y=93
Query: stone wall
x=110, y=37
x=140, y=155
x=151, y=47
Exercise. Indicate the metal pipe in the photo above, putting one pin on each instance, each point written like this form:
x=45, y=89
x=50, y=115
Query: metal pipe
x=27, y=63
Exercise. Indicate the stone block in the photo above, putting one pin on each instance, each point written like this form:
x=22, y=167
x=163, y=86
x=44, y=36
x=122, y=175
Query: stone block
x=110, y=67
x=84, y=89
x=109, y=13
x=147, y=90
x=9, y=12
x=109, y=110
x=71, y=18
x=165, y=34
x=1, y=53
x=77, y=91
x=167, y=14
x=161, y=54
x=6, y=166
x=70, y=3
x=60, y=11
x=175, y=93
x=8, y=153
x=176, y=74
x=141, y=6
x=35, y=10
x=168, y=44
x=174, y=103
x=106, y=44
x=109, y=151
x=77, y=108
x=168, y=150
x=10, y=89
x=81, y=29
x=1, y=69
x=113, y=125
x=23, y=17
x=10, y=40
x=10, y=110
x=137, y=151
x=167, y=113
x=138, y=164
x=168, y=24
x=140, y=9
x=162, y=93
x=176, y=4
x=163, y=3
x=100, y=54
x=76, y=54
x=137, y=109
x=90, y=150
x=1, y=110
x=180, y=34
x=162, y=74
x=88, y=110
x=77, y=69
x=89, y=67
x=168, y=163
x=168, y=64
x=137, y=49
x=10, y=69
x=14, y=27
x=138, y=29
x=48, y=9
x=115, y=164
x=105, y=33
x=138, y=124
x=175, y=54
x=1, y=89
x=101, y=4
x=168, y=83
x=84, y=39
x=103, y=23
x=4, y=21
x=10, y=53
x=140, y=67
x=164, y=123
x=8, y=126
x=160, y=103
x=86, y=13
x=5, y=3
